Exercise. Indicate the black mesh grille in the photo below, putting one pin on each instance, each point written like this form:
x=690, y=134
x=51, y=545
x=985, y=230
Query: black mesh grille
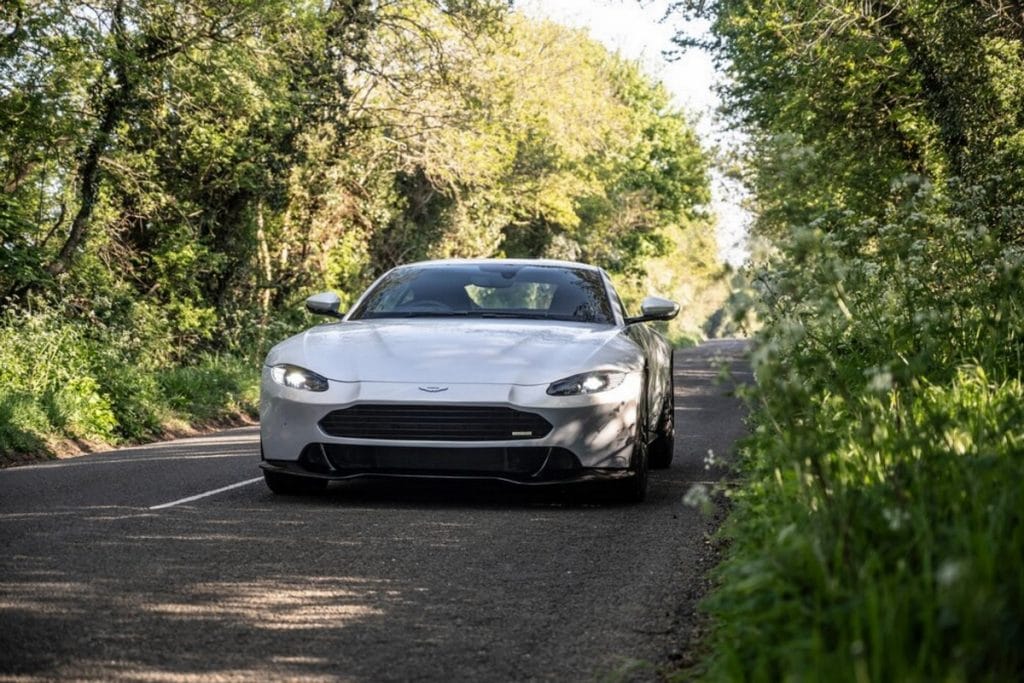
x=520, y=462
x=434, y=423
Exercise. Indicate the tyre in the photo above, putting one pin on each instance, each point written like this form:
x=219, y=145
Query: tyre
x=633, y=489
x=661, y=451
x=663, y=447
x=291, y=485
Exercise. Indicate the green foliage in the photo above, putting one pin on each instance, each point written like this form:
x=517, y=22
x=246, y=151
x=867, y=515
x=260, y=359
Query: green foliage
x=23, y=424
x=880, y=531
x=903, y=566
x=216, y=387
x=878, y=534
x=78, y=410
x=177, y=177
x=67, y=379
x=841, y=97
x=579, y=156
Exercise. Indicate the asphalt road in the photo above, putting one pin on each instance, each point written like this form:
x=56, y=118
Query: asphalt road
x=371, y=581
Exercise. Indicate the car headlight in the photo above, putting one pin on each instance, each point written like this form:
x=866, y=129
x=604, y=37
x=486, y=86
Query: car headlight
x=587, y=383
x=298, y=378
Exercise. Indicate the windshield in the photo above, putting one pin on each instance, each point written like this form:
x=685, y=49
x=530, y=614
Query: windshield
x=498, y=290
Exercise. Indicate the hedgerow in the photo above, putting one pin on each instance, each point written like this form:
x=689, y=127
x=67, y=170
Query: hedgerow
x=879, y=533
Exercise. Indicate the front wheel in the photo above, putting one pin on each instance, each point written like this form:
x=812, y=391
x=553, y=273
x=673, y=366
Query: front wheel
x=664, y=445
x=662, y=450
x=633, y=489
x=291, y=485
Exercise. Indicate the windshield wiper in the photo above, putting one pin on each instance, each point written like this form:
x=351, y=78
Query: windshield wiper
x=410, y=314
x=506, y=315
x=512, y=314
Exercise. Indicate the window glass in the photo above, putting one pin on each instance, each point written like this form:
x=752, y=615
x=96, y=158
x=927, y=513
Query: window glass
x=489, y=290
x=534, y=296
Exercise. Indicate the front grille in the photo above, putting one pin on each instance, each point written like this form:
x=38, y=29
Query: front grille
x=434, y=423
x=516, y=462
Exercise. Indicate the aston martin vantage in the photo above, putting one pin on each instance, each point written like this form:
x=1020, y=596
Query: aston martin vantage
x=524, y=371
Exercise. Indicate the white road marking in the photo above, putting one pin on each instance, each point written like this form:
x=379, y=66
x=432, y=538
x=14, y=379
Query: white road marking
x=206, y=494
x=126, y=460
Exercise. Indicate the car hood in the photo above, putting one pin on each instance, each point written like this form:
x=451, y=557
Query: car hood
x=439, y=351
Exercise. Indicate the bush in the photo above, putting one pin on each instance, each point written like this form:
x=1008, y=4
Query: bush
x=78, y=410
x=80, y=379
x=23, y=424
x=214, y=388
x=879, y=535
x=136, y=401
x=893, y=558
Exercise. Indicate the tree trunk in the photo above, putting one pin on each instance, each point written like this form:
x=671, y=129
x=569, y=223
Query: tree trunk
x=89, y=179
x=112, y=110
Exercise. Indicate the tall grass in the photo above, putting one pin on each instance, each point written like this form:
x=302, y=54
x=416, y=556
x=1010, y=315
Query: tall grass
x=64, y=379
x=880, y=531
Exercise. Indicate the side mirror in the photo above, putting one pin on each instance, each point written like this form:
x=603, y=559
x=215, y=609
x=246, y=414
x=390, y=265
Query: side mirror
x=324, y=303
x=655, y=308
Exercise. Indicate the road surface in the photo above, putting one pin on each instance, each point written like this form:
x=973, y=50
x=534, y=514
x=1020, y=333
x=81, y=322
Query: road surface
x=172, y=562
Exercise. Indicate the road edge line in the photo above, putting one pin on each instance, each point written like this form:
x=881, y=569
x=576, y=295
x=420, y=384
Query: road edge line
x=206, y=494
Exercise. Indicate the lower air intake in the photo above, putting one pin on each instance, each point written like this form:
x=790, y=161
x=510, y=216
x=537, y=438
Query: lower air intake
x=516, y=462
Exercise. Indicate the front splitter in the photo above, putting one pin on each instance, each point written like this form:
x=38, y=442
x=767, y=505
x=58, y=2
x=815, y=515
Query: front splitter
x=584, y=476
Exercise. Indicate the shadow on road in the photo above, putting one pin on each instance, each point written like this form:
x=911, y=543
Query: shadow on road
x=373, y=581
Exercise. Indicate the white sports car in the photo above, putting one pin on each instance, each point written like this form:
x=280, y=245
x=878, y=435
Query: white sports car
x=526, y=371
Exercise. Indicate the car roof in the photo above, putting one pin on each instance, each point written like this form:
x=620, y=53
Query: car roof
x=510, y=261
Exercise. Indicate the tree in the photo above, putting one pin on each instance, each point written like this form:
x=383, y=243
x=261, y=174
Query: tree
x=123, y=79
x=559, y=150
x=842, y=97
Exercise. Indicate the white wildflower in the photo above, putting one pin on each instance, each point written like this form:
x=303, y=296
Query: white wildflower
x=709, y=459
x=949, y=573
x=881, y=381
x=895, y=518
x=697, y=497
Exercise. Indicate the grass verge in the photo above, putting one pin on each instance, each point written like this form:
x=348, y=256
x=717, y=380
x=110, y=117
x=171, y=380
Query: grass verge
x=894, y=553
x=125, y=405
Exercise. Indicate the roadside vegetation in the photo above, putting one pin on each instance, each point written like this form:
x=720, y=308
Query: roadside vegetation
x=878, y=532
x=178, y=176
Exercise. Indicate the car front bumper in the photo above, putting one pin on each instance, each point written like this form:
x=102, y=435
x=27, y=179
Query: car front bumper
x=591, y=437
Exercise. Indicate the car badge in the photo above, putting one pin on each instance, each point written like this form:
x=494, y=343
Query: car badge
x=433, y=390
